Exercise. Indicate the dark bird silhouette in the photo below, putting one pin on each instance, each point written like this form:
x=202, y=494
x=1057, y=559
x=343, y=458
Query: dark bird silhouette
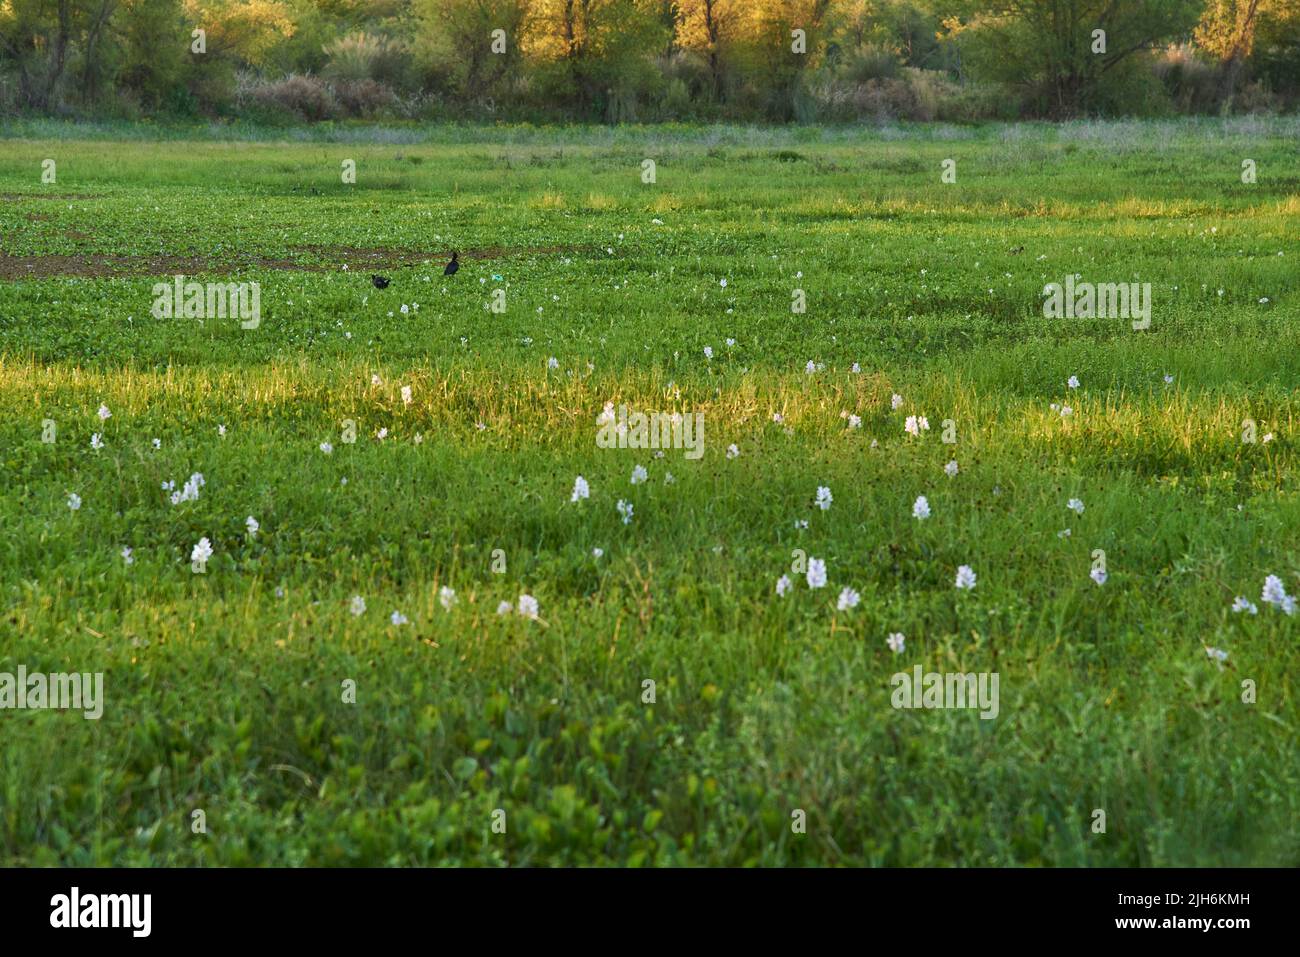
x=453, y=265
x=381, y=282
x=1018, y=250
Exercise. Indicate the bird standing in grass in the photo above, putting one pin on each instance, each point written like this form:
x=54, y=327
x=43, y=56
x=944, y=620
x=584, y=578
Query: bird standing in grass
x=380, y=282
x=453, y=265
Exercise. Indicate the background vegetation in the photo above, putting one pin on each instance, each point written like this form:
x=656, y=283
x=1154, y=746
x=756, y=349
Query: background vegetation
x=646, y=60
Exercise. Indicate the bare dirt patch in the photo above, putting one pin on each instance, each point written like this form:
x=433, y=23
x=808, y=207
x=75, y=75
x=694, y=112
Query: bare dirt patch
x=50, y=197
x=95, y=266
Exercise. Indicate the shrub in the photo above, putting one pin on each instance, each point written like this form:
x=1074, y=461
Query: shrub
x=302, y=97
x=365, y=98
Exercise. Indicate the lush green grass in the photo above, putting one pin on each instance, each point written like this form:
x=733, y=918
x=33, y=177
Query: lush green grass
x=223, y=690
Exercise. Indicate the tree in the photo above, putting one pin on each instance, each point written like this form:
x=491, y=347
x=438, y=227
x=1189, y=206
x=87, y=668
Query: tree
x=1050, y=48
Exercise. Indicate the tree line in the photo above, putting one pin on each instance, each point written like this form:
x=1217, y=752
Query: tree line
x=647, y=60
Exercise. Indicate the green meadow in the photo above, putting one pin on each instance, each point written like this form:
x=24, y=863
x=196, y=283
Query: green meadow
x=666, y=705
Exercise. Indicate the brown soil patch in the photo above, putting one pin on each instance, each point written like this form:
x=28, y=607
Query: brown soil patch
x=52, y=197
x=97, y=265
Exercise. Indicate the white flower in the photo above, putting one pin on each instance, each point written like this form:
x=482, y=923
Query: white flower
x=252, y=525
x=1274, y=591
x=126, y=554
x=639, y=475
x=708, y=352
x=382, y=434
x=358, y=606
x=823, y=500
x=597, y=552
x=1073, y=382
x=810, y=368
x=528, y=606
x=221, y=431
x=1098, y=575
x=1268, y=437
x=1066, y=411
x=74, y=501
x=965, y=577
x=505, y=608
x=722, y=283
x=1075, y=506
x=916, y=424
x=855, y=421
x=783, y=585
x=580, y=489
x=921, y=507
x=374, y=378
x=733, y=451
x=848, y=599
x=625, y=510
x=95, y=442
x=202, y=551
x=730, y=342
x=895, y=401
x=778, y=418
x=157, y=443
x=104, y=414
x=397, y=618
x=800, y=524
x=951, y=469
x=1241, y=604
x=1216, y=654
x=552, y=363
x=406, y=395
x=447, y=597
x=895, y=642
x=326, y=448
x=1169, y=380
x=816, y=573
x=1063, y=533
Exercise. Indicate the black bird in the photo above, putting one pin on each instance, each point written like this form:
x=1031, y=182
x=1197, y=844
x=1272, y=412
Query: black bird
x=453, y=265
x=381, y=282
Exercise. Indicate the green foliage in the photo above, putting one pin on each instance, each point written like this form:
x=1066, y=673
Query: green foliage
x=223, y=690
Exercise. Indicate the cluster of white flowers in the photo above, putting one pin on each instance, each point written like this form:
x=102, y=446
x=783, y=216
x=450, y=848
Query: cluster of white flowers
x=823, y=500
x=916, y=424
x=1274, y=594
x=816, y=573
x=202, y=551
x=189, y=492
x=625, y=511
x=965, y=577
x=921, y=507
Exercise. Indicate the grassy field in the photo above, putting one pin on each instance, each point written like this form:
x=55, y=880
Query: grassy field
x=228, y=692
